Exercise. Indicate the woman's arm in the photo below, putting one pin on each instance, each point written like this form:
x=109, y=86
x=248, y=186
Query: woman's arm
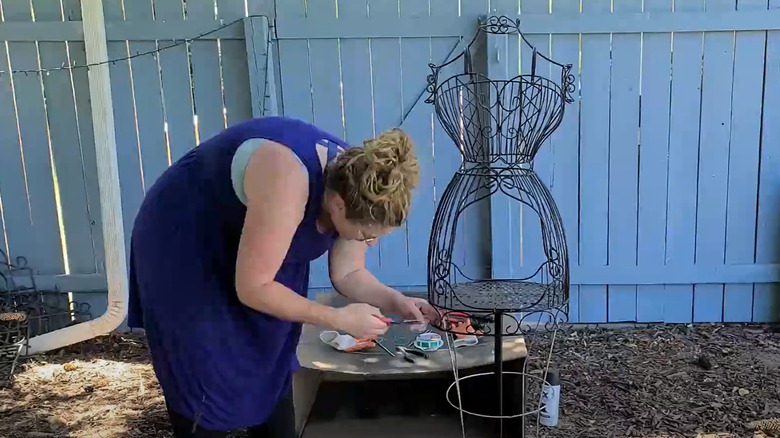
x=276, y=188
x=348, y=273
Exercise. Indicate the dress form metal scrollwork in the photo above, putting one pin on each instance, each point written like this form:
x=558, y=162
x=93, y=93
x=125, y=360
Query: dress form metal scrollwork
x=499, y=126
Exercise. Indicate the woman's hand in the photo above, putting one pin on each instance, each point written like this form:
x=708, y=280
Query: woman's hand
x=360, y=320
x=416, y=309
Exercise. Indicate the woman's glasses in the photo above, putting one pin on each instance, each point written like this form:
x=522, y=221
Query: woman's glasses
x=363, y=237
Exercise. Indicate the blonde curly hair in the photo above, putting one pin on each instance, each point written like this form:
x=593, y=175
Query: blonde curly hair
x=376, y=180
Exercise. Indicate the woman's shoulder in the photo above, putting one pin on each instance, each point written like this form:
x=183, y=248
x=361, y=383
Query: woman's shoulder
x=312, y=146
x=261, y=154
x=327, y=150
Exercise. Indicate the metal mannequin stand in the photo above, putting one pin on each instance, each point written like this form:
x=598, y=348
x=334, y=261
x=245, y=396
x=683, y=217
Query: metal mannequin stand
x=498, y=125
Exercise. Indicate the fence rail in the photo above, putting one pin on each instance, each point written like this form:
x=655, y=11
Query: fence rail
x=532, y=24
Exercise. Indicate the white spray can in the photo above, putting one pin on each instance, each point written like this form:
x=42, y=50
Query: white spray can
x=550, y=399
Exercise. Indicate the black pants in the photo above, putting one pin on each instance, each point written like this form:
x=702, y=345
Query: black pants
x=281, y=424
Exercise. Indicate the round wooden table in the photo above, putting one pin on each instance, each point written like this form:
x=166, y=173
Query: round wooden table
x=321, y=362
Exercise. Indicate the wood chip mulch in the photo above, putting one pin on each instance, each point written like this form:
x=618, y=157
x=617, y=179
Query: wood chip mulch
x=674, y=381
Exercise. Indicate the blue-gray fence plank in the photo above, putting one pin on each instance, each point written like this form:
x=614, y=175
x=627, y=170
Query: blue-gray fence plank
x=412, y=8
x=415, y=56
x=28, y=120
x=531, y=252
x=565, y=142
x=42, y=247
x=358, y=93
x=326, y=102
x=683, y=162
x=152, y=145
x=72, y=12
x=388, y=111
x=13, y=192
x=594, y=163
x=235, y=75
x=110, y=8
x=128, y=154
x=297, y=88
x=505, y=214
x=230, y=10
x=296, y=79
x=624, y=162
x=176, y=85
x=766, y=300
x=257, y=59
x=471, y=253
x=653, y=163
x=387, y=87
x=67, y=150
x=544, y=163
x=383, y=8
x=78, y=55
x=206, y=75
x=169, y=10
x=475, y=8
x=713, y=163
x=532, y=247
x=742, y=196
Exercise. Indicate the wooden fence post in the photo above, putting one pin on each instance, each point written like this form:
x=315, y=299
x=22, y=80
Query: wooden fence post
x=262, y=83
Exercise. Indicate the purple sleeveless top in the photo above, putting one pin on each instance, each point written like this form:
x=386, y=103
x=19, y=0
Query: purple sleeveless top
x=217, y=360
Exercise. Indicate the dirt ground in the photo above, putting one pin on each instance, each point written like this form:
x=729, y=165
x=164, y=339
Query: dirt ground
x=663, y=381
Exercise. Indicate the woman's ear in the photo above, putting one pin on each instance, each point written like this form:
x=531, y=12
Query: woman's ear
x=338, y=202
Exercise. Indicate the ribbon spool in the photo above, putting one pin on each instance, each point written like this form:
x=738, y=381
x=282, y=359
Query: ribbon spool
x=428, y=341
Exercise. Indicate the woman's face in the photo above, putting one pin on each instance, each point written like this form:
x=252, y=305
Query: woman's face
x=351, y=229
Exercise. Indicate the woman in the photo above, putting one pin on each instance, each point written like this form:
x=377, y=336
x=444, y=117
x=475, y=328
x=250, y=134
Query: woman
x=220, y=257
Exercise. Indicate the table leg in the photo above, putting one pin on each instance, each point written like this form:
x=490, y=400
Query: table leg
x=306, y=383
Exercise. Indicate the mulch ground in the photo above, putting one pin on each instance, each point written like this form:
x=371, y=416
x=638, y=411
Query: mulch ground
x=667, y=381
x=671, y=381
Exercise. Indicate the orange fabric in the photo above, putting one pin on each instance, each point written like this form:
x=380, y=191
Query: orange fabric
x=361, y=344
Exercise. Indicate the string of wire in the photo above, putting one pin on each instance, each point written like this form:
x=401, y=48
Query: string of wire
x=176, y=43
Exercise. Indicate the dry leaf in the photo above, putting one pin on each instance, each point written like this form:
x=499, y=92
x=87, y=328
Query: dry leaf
x=769, y=425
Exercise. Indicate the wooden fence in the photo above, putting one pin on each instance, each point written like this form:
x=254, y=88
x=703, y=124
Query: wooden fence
x=666, y=168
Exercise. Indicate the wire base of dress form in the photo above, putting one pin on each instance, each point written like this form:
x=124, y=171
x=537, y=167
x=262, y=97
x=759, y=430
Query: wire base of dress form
x=529, y=384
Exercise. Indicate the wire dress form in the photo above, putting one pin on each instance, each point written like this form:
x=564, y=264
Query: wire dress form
x=498, y=125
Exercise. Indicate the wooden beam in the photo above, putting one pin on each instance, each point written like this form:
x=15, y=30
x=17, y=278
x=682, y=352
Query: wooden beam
x=661, y=275
x=389, y=27
x=41, y=31
x=256, y=38
x=557, y=23
x=677, y=274
x=120, y=30
x=65, y=283
x=272, y=91
x=162, y=30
